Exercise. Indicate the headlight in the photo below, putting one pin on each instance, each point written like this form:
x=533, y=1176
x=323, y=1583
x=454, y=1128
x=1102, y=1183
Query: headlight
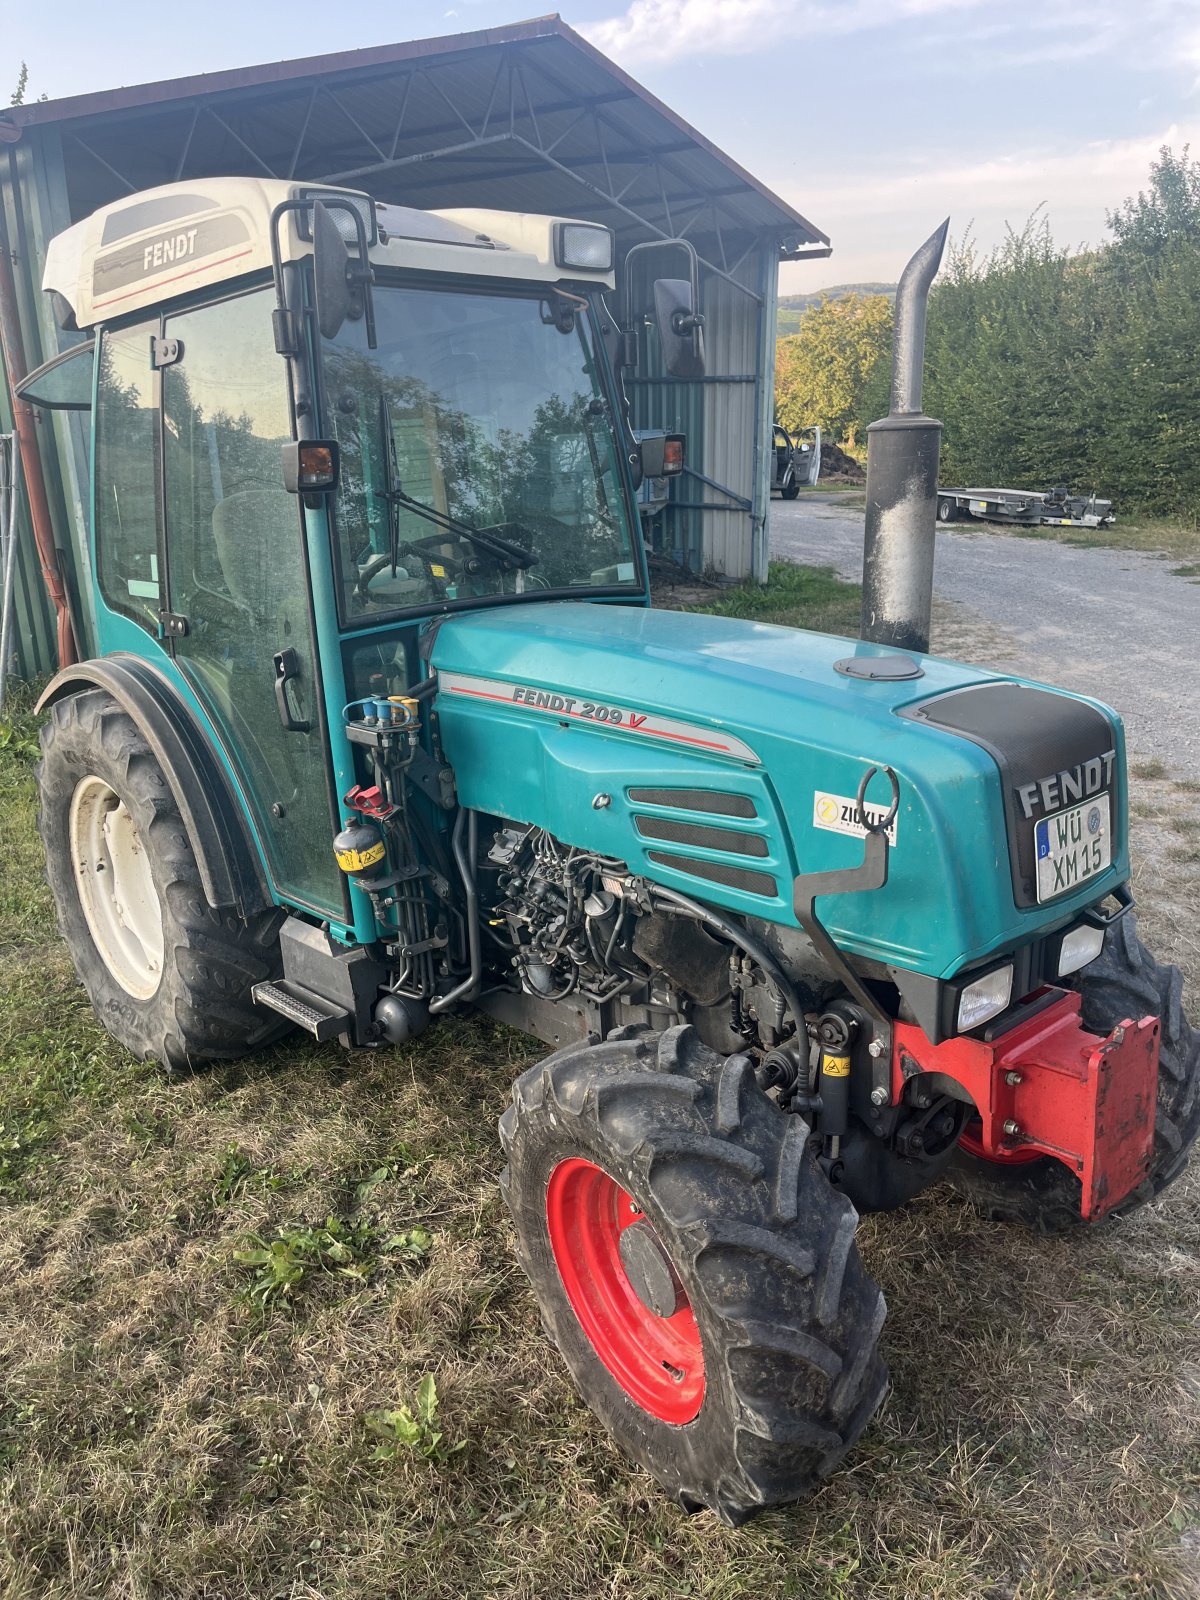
x=1079, y=947
x=985, y=998
x=583, y=245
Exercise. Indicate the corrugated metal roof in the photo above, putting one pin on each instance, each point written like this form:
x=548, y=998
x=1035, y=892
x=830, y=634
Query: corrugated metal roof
x=529, y=116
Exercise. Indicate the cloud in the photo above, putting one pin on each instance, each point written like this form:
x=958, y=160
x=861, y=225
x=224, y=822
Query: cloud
x=665, y=30
x=1004, y=33
x=876, y=220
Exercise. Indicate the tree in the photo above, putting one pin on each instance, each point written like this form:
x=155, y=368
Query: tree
x=823, y=369
x=1047, y=367
x=17, y=98
x=1166, y=216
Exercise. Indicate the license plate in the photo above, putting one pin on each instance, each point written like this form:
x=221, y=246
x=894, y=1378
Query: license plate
x=977, y=505
x=1072, y=846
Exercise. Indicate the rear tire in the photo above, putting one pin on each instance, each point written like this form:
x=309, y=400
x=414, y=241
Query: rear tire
x=777, y=1371
x=168, y=976
x=1124, y=983
x=946, y=510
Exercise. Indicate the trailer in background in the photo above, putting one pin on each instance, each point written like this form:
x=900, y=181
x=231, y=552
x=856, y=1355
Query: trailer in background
x=1055, y=508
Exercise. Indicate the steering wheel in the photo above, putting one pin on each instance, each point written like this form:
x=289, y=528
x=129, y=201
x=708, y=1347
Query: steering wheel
x=378, y=563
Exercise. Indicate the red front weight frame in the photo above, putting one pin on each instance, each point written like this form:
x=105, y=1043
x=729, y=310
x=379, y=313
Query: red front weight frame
x=1049, y=1088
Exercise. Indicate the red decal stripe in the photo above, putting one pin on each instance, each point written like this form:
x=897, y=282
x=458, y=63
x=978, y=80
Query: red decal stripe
x=205, y=266
x=619, y=727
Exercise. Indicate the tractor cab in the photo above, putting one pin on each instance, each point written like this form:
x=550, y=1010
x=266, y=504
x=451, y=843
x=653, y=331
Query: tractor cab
x=444, y=431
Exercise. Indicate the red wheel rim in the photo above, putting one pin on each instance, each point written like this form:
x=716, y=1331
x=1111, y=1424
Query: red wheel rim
x=970, y=1143
x=658, y=1361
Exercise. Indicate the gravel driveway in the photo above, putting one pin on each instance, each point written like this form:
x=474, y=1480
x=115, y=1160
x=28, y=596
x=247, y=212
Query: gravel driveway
x=1111, y=623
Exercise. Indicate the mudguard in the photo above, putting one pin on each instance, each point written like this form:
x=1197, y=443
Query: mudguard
x=230, y=869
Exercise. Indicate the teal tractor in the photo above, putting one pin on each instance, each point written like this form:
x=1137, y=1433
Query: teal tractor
x=377, y=724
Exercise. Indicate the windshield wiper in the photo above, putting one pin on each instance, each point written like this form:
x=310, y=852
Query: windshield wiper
x=392, y=493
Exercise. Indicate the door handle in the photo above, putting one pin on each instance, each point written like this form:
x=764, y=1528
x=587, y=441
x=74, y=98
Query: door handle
x=287, y=670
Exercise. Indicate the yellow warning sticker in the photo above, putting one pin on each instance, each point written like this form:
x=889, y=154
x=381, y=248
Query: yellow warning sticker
x=438, y=571
x=356, y=860
x=835, y=1066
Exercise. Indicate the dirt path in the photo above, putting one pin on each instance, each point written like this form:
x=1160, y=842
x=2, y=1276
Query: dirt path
x=1111, y=623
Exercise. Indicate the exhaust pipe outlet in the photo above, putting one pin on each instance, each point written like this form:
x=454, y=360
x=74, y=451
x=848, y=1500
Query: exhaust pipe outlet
x=902, y=474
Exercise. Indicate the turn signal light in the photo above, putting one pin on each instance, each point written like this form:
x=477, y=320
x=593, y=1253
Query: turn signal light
x=673, y=455
x=310, y=466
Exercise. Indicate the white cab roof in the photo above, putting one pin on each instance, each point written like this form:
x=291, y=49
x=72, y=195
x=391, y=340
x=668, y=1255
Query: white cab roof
x=162, y=243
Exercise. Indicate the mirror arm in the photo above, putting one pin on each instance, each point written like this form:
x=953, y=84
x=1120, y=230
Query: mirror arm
x=288, y=321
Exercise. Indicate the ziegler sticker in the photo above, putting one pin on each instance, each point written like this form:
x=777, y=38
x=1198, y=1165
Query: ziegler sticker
x=839, y=813
x=599, y=712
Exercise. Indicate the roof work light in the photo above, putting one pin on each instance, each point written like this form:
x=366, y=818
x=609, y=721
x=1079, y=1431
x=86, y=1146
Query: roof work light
x=585, y=245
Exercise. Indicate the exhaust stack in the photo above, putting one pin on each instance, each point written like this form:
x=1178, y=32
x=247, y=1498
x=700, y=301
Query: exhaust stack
x=902, y=474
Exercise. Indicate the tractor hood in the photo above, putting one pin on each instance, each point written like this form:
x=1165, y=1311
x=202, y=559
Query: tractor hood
x=723, y=758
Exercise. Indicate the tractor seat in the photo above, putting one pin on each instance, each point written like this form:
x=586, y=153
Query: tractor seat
x=254, y=535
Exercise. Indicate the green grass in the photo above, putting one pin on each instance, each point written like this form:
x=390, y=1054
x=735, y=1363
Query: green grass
x=181, y=1417
x=795, y=597
x=1172, y=537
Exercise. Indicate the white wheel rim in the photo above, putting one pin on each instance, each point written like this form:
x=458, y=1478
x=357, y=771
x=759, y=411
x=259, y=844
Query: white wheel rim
x=116, y=887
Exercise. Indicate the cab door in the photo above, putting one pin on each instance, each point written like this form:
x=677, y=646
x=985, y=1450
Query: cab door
x=240, y=620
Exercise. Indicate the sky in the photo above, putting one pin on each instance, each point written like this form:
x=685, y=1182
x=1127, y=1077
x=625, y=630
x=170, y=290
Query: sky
x=874, y=118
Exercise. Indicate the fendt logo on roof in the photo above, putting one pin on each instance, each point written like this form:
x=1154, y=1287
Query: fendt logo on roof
x=174, y=248
x=169, y=258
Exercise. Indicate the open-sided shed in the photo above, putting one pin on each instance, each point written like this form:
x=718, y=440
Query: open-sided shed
x=529, y=117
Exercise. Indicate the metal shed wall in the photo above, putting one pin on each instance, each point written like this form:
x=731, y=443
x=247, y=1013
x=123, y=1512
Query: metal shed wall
x=528, y=117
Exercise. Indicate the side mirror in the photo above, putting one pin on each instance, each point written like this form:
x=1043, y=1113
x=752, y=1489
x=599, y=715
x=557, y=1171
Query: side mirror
x=332, y=273
x=676, y=302
x=680, y=328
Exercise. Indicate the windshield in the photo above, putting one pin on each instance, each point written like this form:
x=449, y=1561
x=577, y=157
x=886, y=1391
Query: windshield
x=477, y=454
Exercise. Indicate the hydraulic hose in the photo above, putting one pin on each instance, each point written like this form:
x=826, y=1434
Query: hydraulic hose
x=467, y=989
x=745, y=941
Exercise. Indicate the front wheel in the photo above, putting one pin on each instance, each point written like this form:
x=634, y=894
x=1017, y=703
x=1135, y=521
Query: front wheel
x=169, y=977
x=694, y=1268
x=790, y=490
x=1123, y=984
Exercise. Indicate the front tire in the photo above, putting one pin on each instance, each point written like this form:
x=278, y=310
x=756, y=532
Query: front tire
x=694, y=1268
x=791, y=490
x=1124, y=983
x=169, y=977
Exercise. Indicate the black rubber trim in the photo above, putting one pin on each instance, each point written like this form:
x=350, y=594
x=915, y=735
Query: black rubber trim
x=1015, y=1015
x=230, y=871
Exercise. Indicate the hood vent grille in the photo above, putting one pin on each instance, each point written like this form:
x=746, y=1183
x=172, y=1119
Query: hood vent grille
x=701, y=837
x=710, y=800
x=758, y=883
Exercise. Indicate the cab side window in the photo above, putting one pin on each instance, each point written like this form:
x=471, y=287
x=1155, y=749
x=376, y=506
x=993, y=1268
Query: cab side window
x=126, y=473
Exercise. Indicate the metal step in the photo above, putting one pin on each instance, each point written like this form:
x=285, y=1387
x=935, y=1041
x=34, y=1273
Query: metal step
x=304, y=1010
